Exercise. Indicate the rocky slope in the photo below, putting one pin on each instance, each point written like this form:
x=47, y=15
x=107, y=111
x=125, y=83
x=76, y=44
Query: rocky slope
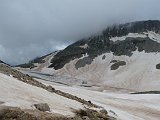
x=22, y=95
x=1, y=61
x=36, y=62
x=13, y=73
x=119, y=39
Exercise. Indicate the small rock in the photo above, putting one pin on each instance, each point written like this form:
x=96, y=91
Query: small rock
x=85, y=118
x=42, y=107
x=104, y=57
x=89, y=102
x=113, y=112
x=158, y=66
x=1, y=102
x=103, y=111
x=50, y=88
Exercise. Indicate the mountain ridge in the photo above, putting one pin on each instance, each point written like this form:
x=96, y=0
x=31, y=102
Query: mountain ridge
x=102, y=43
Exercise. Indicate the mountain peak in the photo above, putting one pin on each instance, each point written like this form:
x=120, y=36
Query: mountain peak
x=120, y=39
x=133, y=27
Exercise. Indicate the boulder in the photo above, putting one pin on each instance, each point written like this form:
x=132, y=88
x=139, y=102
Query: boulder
x=104, y=57
x=50, y=88
x=42, y=107
x=158, y=66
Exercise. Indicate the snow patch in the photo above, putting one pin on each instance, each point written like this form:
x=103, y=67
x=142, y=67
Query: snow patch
x=125, y=106
x=18, y=94
x=152, y=35
x=133, y=35
x=84, y=46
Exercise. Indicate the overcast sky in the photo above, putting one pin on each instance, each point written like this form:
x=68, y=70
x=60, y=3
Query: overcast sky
x=31, y=28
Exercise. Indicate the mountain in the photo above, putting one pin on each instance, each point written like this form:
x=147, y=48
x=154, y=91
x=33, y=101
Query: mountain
x=119, y=39
x=2, y=62
x=125, y=56
x=34, y=63
x=92, y=78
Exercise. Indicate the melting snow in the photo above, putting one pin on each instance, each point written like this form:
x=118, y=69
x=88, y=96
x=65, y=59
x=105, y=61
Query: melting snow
x=18, y=94
x=152, y=35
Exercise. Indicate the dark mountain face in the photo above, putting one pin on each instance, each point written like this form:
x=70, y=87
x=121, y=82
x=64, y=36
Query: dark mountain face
x=134, y=27
x=31, y=63
x=2, y=62
x=100, y=44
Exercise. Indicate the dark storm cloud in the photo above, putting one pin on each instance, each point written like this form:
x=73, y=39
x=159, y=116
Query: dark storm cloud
x=30, y=28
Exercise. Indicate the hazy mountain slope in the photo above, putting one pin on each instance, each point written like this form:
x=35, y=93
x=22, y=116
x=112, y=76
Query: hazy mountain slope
x=1, y=61
x=38, y=62
x=148, y=32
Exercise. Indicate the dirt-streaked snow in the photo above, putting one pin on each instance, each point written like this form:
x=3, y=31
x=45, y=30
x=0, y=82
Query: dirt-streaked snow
x=152, y=35
x=139, y=73
x=123, y=106
x=18, y=94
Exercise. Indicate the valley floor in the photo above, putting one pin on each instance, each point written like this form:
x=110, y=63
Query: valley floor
x=123, y=106
x=119, y=103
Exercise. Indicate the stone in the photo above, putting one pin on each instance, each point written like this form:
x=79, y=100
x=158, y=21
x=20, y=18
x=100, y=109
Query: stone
x=85, y=118
x=104, y=57
x=42, y=107
x=158, y=66
x=50, y=88
x=103, y=111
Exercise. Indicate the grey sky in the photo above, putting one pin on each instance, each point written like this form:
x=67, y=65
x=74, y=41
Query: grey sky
x=31, y=28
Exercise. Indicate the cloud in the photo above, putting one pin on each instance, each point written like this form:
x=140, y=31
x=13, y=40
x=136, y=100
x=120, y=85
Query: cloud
x=31, y=28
